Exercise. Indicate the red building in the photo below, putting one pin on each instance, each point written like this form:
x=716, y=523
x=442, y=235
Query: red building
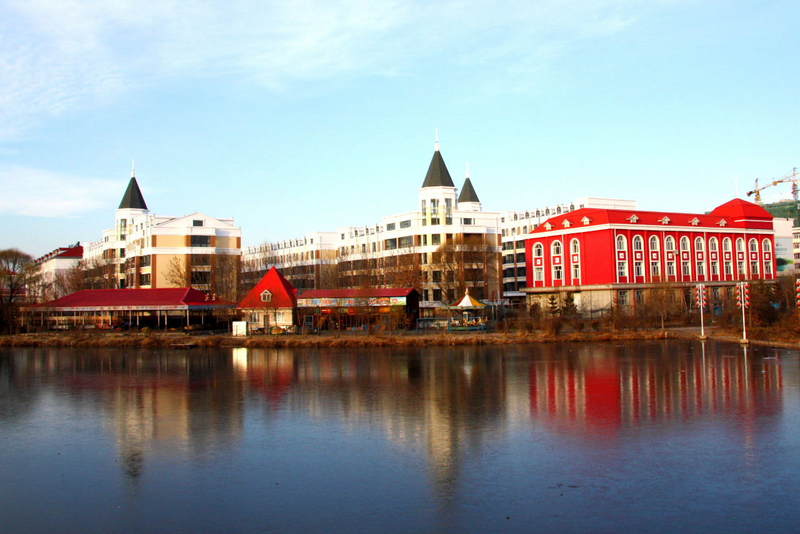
x=271, y=303
x=604, y=255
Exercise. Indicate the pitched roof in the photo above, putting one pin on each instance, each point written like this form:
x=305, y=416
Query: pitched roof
x=741, y=209
x=62, y=252
x=468, y=193
x=133, y=199
x=284, y=295
x=353, y=293
x=438, y=175
x=180, y=297
x=467, y=301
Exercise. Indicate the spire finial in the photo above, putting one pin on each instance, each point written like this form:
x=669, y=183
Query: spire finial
x=468, y=171
x=436, y=146
x=133, y=169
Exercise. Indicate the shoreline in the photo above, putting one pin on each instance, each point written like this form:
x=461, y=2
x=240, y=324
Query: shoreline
x=179, y=340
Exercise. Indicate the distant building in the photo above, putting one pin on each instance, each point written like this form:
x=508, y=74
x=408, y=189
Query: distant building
x=53, y=268
x=610, y=256
x=343, y=309
x=144, y=250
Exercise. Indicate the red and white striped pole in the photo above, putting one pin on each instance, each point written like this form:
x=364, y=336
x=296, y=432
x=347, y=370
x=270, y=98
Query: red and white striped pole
x=700, y=296
x=797, y=292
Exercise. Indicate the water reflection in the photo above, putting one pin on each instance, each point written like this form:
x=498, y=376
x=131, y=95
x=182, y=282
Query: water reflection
x=453, y=408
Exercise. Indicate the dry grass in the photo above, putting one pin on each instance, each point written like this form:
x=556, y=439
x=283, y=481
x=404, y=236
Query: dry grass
x=174, y=340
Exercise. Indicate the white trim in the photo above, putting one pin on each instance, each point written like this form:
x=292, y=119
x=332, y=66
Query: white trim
x=618, y=226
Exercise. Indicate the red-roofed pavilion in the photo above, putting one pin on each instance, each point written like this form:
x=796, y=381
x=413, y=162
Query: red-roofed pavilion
x=104, y=308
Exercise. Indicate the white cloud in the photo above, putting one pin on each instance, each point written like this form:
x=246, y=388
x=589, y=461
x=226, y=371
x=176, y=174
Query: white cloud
x=60, y=55
x=41, y=193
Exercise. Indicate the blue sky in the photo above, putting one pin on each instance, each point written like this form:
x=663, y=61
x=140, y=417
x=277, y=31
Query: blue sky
x=309, y=115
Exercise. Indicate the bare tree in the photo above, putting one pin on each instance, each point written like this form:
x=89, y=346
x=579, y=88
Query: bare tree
x=226, y=277
x=178, y=272
x=18, y=275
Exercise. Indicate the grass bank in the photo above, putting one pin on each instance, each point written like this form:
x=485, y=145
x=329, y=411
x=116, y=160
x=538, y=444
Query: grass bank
x=178, y=340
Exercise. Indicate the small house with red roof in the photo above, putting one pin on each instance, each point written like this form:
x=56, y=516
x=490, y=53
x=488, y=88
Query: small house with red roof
x=345, y=309
x=271, y=303
x=615, y=256
x=105, y=308
x=53, y=269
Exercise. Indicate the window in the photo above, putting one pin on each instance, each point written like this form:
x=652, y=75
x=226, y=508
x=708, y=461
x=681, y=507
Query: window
x=655, y=269
x=575, y=246
x=538, y=250
x=145, y=261
x=555, y=248
x=201, y=241
x=621, y=244
x=390, y=227
x=144, y=280
x=436, y=276
x=726, y=244
x=622, y=269
x=266, y=296
x=466, y=221
x=753, y=245
x=576, y=271
x=740, y=266
x=753, y=268
x=436, y=239
x=699, y=246
x=669, y=243
x=766, y=245
x=622, y=298
x=684, y=243
x=686, y=269
x=558, y=273
x=200, y=260
x=740, y=245
x=653, y=243
x=405, y=224
x=701, y=268
x=670, y=268
x=638, y=243
x=713, y=244
x=197, y=222
x=638, y=269
x=714, y=268
x=538, y=274
x=768, y=267
x=728, y=268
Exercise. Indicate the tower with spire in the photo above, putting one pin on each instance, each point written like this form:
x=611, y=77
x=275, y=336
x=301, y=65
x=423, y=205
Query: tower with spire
x=468, y=199
x=437, y=195
x=131, y=206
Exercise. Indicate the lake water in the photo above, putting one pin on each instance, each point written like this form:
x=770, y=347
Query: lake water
x=646, y=437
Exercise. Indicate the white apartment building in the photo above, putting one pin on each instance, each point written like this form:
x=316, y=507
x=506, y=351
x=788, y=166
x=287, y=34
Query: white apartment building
x=150, y=251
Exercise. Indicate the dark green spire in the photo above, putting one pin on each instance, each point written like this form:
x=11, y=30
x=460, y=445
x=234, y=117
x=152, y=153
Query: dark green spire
x=133, y=199
x=438, y=175
x=468, y=193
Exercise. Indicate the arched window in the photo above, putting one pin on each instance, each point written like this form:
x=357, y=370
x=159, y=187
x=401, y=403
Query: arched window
x=638, y=243
x=621, y=243
x=575, y=246
x=684, y=243
x=669, y=243
x=555, y=248
x=766, y=245
x=699, y=246
x=740, y=245
x=713, y=244
x=653, y=243
x=753, y=245
x=726, y=244
x=538, y=250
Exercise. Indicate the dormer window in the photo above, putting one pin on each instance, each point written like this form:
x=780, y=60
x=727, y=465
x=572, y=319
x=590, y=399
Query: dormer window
x=197, y=222
x=694, y=221
x=633, y=218
x=548, y=226
x=722, y=222
x=586, y=220
x=664, y=220
x=566, y=223
x=266, y=296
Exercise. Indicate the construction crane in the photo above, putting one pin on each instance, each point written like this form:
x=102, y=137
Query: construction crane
x=794, y=177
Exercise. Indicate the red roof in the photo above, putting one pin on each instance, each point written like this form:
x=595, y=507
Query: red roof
x=353, y=293
x=63, y=252
x=135, y=298
x=284, y=295
x=736, y=213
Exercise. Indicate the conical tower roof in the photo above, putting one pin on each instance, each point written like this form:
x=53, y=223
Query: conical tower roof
x=468, y=193
x=133, y=199
x=438, y=175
